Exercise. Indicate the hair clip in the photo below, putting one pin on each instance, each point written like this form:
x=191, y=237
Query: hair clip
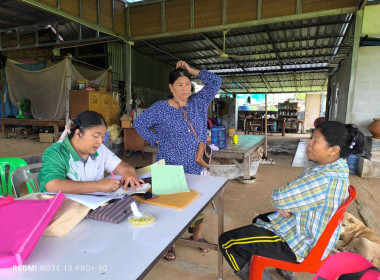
x=78, y=123
x=352, y=145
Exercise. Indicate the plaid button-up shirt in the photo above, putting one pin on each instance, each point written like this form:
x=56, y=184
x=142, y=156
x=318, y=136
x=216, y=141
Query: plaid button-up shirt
x=312, y=198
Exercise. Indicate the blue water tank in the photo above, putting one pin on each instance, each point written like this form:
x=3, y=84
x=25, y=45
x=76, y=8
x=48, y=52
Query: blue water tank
x=219, y=135
x=275, y=126
x=353, y=162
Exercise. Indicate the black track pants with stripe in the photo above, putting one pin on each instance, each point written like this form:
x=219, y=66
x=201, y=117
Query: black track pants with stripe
x=240, y=244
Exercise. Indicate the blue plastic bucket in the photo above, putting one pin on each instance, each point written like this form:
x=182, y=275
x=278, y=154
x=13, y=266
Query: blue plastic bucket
x=353, y=161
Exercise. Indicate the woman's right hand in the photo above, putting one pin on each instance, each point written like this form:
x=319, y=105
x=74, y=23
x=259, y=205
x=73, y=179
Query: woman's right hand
x=108, y=185
x=182, y=64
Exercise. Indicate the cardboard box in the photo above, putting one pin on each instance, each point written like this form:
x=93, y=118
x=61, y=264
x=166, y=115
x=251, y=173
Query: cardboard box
x=46, y=137
x=82, y=83
x=126, y=123
x=102, y=90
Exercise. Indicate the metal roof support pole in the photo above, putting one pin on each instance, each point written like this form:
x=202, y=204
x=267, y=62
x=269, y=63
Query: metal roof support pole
x=328, y=95
x=259, y=6
x=299, y=7
x=192, y=9
x=80, y=15
x=266, y=126
x=18, y=37
x=128, y=76
x=68, y=87
x=35, y=35
x=224, y=11
x=113, y=16
x=163, y=17
x=80, y=8
x=127, y=23
x=354, y=64
x=79, y=31
x=97, y=16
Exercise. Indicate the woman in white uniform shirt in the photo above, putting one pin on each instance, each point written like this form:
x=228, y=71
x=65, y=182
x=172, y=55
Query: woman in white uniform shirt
x=77, y=164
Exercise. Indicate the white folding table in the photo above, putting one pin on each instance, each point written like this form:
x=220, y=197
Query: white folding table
x=101, y=250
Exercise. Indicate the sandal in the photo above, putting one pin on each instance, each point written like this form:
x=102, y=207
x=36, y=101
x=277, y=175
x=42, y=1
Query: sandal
x=202, y=240
x=170, y=255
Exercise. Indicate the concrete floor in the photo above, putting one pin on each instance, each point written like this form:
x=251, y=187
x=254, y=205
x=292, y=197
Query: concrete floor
x=242, y=203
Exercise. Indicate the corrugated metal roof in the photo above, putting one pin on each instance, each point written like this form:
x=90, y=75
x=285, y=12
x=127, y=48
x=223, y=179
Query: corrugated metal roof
x=291, y=56
x=286, y=48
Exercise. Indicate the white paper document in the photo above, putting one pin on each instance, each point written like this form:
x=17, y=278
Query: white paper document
x=120, y=191
x=92, y=201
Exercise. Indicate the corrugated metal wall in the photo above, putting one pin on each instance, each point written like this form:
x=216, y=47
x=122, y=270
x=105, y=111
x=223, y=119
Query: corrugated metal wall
x=150, y=72
x=116, y=58
x=152, y=76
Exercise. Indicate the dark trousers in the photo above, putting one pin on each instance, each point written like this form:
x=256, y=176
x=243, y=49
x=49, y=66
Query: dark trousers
x=238, y=245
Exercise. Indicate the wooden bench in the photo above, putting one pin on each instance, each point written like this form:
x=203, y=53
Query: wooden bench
x=31, y=122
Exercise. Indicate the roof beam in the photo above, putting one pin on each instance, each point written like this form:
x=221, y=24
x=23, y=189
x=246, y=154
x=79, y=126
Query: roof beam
x=265, y=21
x=259, y=32
x=272, y=62
x=161, y=50
x=265, y=82
x=363, y=4
x=273, y=46
x=254, y=54
x=141, y=3
x=272, y=92
x=67, y=15
x=65, y=44
x=259, y=72
x=335, y=37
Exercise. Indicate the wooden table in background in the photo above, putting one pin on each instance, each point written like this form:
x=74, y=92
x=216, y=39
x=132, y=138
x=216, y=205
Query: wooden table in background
x=133, y=141
x=245, y=149
x=31, y=122
x=247, y=146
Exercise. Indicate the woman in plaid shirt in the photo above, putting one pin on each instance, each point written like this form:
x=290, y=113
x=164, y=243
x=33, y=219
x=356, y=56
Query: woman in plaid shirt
x=303, y=207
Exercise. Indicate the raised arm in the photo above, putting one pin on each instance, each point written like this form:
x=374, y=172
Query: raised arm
x=212, y=81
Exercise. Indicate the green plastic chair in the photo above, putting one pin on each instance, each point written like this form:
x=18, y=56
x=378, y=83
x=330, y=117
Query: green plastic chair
x=7, y=166
x=26, y=174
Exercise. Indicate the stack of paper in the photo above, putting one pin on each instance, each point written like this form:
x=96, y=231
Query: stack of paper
x=175, y=200
x=168, y=179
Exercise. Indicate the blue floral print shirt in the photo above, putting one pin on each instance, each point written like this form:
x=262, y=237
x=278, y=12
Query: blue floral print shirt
x=177, y=143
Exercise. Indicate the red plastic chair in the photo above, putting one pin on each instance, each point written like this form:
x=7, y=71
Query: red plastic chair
x=313, y=261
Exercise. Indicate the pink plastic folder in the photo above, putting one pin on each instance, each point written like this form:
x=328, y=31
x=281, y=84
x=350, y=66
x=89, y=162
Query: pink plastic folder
x=22, y=224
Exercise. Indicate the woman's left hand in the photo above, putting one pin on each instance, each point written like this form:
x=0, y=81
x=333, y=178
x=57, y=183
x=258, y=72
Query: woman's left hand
x=129, y=177
x=284, y=214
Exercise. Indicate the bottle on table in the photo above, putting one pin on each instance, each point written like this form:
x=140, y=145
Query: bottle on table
x=219, y=135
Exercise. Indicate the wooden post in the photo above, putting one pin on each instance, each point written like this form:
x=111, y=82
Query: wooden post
x=265, y=126
x=2, y=94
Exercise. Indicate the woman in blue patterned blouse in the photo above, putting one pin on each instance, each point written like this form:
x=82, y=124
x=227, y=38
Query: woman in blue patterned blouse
x=303, y=207
x=173, y=135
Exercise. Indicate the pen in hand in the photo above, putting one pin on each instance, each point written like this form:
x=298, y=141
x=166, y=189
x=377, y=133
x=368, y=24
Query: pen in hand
x=113, y=176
